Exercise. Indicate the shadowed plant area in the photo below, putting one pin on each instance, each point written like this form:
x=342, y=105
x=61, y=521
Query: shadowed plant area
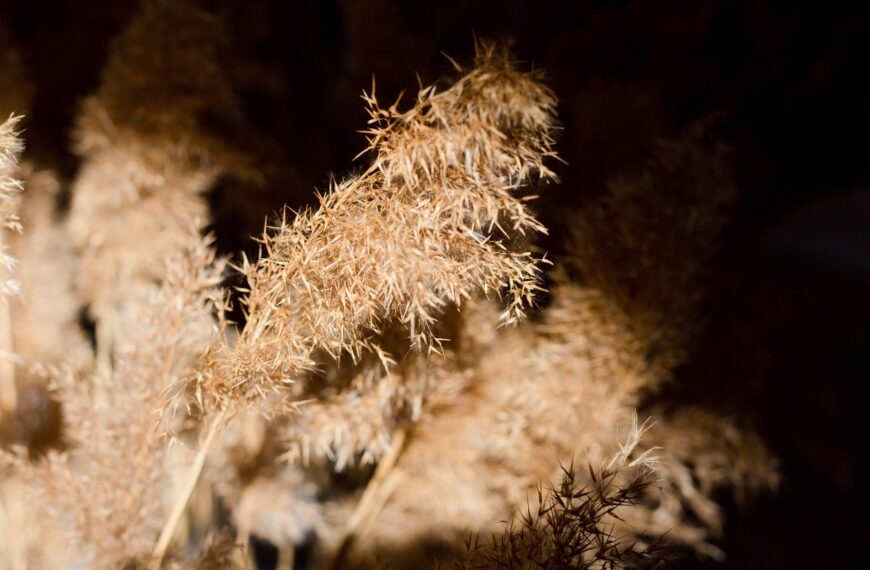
x=410, y=285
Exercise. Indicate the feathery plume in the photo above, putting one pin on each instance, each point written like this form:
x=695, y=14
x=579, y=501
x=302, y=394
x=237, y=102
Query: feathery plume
x=426, y=225
x=106, y=491
x=148, y=160
x=436, y=221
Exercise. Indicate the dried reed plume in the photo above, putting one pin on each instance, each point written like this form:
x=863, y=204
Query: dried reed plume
x=105, y=492
x=149, y=155
x=424, y=226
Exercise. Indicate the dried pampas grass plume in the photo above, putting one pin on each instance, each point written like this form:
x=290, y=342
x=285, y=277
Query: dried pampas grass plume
x=106, y=492
x=149, y=153
x=428, y=224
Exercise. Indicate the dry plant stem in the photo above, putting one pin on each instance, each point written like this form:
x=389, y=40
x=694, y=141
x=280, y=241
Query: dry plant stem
x=11, y=550
x=8, y=392
x=104, y=351
x=286, y=557
x=372, y=500
x=10, y=149
x=190, y=480
x=4, y=528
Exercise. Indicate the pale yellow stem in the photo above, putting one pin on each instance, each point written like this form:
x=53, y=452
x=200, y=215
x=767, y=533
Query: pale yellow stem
x=8, y=390
x=105, y=340
x=190, y=481
x=286, y=556
x=12, y=551
x=373, y=499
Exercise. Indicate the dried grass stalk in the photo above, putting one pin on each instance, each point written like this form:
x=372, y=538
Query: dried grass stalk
x=10, y=187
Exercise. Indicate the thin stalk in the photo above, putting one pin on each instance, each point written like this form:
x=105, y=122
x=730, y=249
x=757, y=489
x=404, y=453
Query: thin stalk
x=372, y=501
x=286, y=557
x=105, y=339
x=8, y=390
x=183, y=498
x=14, y=556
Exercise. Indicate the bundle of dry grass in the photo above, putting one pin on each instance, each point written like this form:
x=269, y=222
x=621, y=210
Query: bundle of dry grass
x=152, y=142
x=573, y=526
x=432, y=223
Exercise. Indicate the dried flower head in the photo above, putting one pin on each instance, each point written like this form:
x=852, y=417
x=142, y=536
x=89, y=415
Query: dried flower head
x=428, y=224
x=150, y=152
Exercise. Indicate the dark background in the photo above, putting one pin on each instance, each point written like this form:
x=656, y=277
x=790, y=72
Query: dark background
x=788, y=332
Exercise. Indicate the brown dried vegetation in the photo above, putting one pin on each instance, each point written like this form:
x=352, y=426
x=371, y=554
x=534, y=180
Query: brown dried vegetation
x=386, y=389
